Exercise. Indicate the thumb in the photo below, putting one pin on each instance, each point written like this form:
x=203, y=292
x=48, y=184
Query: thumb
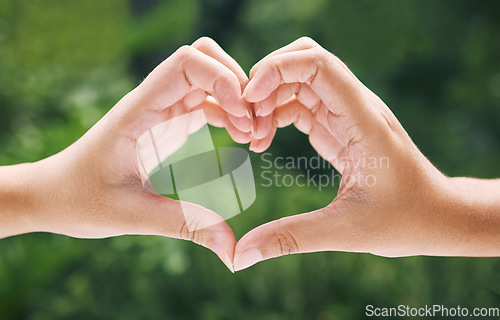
x=321, y=230
x=188, y=221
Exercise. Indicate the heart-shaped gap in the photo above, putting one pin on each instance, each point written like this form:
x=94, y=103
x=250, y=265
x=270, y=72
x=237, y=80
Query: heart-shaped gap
x=288, y=178
x=290, y=147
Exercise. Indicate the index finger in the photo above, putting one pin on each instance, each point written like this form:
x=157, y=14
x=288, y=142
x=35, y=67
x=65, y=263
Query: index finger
x=302, y=43
x=189, y=68
x=211, y=48
x=339, y=90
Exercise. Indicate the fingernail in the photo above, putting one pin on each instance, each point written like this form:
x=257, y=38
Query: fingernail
x=242, y=110
x=245, y=92
x=253, y=127
x=258, y=109
x=252, y=145
x=246, y=259
x=222, y=254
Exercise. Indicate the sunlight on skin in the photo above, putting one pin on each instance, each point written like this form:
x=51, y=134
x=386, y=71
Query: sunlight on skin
x=406, y=207
x=95, y=188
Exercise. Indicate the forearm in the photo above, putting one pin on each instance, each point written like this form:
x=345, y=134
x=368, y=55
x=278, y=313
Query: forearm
x=473, y=213
x=17, y=199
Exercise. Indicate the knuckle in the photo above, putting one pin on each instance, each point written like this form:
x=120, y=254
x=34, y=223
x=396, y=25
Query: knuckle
x=306, y=41
x=184, y=231
x=204, y=42
x=320, y=55
x=287, y=244
x=221, y=83
x=184, y=52
x=190, y=230
x=225, y=81
x=224, y=86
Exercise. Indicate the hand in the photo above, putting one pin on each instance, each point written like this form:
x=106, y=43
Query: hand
x=391, y=200
x=93, y=189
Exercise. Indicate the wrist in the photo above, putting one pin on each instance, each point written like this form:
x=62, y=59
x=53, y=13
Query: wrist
x=18, y=199
x=467, y=218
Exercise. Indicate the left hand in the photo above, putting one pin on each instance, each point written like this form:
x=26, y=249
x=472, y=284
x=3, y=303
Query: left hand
x=93, y=189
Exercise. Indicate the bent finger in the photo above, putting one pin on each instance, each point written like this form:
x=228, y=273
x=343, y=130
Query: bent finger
x=338, y=89
x=262, y=144
x=302, y=43
x=294, y=112
x=307, y=232
x=263, y=126
x=217, y=117
x=188, y=68
x=211, y=48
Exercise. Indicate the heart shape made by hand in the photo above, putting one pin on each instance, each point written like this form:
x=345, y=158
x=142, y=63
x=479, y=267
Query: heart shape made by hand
x=391, y=200
x=347, y=124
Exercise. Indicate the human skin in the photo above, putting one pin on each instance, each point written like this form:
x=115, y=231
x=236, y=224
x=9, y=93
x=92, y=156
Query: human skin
x=402, y=206
x=93, y=189
x=391, y=200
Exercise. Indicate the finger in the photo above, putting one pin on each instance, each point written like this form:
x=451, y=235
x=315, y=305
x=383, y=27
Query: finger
x=338, y=89
x=262, y=145
x=183, y=220
x=241, y=123
x=189, y=68
x=302, y=43
x=320, y=137
x=209, y=47
x=257, y=107
x=277, y=97
x=307, y=232
x=266, y=106
x=217, y=117
x=328, y=146
x=286, y=91
x=290, y=67
x=321, y=117
x=294, y=112
x=166, y=137
x=194, y=98
x=214, y=114
x=237, y=135
x=263, y=126
x=212, y=49
x=290, y=112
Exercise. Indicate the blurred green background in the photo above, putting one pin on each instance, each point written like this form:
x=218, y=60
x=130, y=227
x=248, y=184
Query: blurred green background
x=63, y=64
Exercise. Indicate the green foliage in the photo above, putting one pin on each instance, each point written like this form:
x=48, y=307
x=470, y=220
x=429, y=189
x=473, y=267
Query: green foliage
x=169, y=21
x=63, y=64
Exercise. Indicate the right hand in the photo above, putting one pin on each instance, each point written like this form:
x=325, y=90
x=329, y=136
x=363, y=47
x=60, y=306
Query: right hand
x=391, y=200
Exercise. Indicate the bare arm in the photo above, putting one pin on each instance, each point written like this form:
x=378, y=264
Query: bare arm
x=474, y=216
x=400, y=206
x=94, y=188
x=17, y=203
